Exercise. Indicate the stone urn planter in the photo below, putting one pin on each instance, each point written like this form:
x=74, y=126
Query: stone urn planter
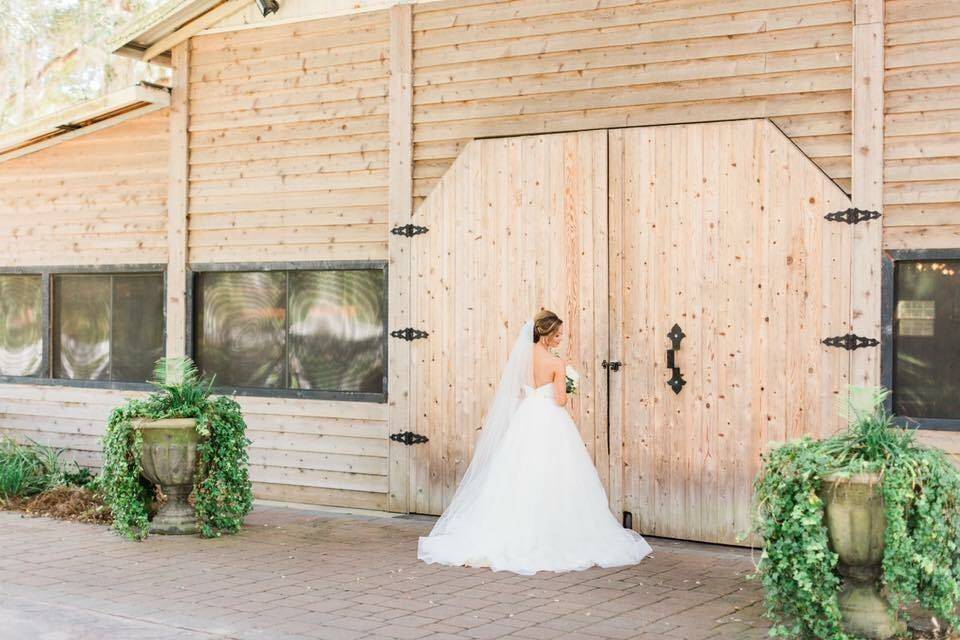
x=170, y=461
x=856, y=522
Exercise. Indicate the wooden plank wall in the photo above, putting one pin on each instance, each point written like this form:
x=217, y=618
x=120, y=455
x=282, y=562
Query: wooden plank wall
x=288, y=142
x=289, y=160
x=310, y=452
x=69, y=418
x=921, y=192
x=922, y=124
x=318, y=452
x=399, y=248
x=517, y=67
x=98, y=199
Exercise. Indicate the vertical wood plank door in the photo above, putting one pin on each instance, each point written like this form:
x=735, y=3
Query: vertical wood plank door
x=516, y=224
x=718, y=228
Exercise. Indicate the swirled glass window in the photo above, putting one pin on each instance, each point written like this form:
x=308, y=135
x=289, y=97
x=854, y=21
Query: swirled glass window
x=107, y=326
x=319, y=330
x=21, y=325
x=240, y=321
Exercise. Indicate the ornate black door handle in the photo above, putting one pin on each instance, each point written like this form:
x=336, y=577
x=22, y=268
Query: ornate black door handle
x=676, y=380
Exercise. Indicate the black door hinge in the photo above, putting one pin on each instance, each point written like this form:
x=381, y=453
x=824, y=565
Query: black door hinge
x=408, y=230
x=409, y=334
x=850, y=341
x=409, y=438
x=852, y=216
x=611, y=366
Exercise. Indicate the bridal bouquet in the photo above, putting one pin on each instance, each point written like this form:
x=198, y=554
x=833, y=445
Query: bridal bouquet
x=573, y=379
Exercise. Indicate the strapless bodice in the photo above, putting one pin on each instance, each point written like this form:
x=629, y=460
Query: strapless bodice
x=543, y=391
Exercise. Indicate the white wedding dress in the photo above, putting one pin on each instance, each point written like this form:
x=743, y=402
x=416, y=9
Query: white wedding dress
x=531, y=499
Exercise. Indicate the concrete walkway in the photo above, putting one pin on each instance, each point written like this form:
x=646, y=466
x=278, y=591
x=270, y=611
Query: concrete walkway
x=294, y=574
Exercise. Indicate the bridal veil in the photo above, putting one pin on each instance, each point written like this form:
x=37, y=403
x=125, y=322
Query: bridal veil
x=517, y=374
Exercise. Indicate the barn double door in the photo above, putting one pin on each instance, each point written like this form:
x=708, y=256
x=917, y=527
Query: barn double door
x=702, y=247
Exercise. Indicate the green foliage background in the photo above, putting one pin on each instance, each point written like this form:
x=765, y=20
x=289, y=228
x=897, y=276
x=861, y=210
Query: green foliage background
x=53, y=53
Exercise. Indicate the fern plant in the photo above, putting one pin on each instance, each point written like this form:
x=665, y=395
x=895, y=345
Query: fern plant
x=222, y=488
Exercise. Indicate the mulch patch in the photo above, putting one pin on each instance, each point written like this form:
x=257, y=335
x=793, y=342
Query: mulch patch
x=65, y=503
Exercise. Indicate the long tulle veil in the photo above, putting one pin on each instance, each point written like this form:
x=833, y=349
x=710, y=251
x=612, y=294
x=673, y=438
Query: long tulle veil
x=517, y=373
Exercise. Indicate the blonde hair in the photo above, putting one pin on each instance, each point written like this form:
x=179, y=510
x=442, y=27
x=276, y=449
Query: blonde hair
x=545, y=324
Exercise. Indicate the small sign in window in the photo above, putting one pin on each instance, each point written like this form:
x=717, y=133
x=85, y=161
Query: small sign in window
x=916, y=317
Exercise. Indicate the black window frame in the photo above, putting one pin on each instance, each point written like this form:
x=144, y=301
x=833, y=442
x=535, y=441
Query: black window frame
x=888, y=303
x=47, y=274
x=194, y=271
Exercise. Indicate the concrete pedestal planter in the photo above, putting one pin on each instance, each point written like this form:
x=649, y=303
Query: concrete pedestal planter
x=856, y=522
x=170, y=461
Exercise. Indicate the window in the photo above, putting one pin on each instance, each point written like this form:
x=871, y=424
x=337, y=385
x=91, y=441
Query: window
x=21, y=325
x=107, y=327
x=302, y=330
x=926, y=338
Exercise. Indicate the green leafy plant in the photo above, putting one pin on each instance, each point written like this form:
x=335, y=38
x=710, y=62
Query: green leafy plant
x=222, y=490
x=78, y=477
x=27, y=469
x=921, y=492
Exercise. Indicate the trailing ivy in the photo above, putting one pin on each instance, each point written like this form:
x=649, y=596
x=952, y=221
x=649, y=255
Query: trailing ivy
x=123, y=491
x=921, y=493
x=223, y=494
x=797, y=567
x=921, y=562
x=222, y=490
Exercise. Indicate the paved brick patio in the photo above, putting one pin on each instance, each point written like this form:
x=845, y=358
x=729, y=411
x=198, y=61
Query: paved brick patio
x=296, y=574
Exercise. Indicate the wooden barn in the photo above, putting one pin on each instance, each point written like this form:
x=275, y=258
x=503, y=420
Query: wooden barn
x=344, y=211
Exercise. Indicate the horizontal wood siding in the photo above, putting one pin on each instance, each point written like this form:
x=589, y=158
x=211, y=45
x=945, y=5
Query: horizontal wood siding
x=922, y=124
x=98, y=199
x=288, y=142
x=68, y=418
x=532, y=66
x=332, y=453
x=317, y=452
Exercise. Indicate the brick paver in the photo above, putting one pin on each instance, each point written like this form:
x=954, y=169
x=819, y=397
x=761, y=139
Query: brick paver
x=294, y=574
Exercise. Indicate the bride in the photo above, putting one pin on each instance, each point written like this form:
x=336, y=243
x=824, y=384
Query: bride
x=531, y=499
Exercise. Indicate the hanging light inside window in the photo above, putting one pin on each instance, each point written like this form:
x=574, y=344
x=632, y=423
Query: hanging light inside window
x=268, y=6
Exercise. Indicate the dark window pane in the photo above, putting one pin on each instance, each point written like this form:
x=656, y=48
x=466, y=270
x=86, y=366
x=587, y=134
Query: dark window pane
x=82, y=327
x=336, y=334
x=137, y=336
x=107, y=326
x=927, y=339
x=241, y=319
x=21, y=325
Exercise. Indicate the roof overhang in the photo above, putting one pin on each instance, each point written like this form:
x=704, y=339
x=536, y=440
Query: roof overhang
x=151, y=36
x=83, y=119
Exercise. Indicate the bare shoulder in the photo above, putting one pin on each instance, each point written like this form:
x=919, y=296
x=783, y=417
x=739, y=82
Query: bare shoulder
x=551, y=359
x=548, y=361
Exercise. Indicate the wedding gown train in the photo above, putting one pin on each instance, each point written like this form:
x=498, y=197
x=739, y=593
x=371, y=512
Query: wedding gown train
x=539, y=506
